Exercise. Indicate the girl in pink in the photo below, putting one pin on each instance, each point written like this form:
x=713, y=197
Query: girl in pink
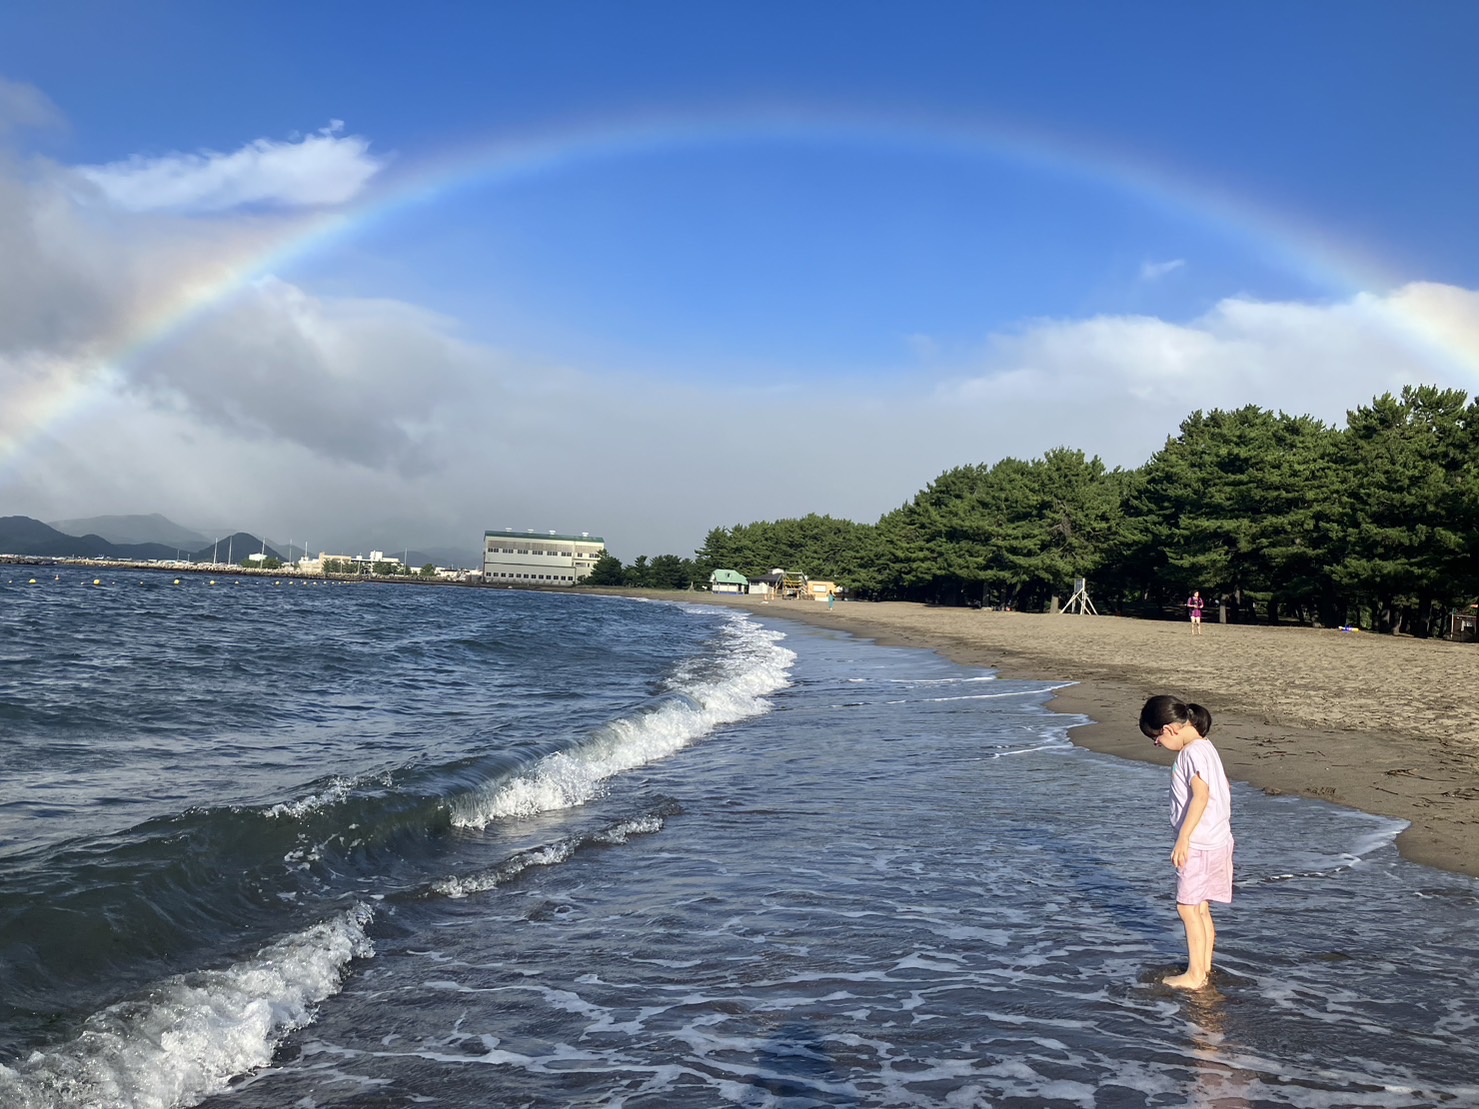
x=1201, y=812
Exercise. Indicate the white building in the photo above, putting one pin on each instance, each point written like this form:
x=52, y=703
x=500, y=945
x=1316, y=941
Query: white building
x=539, y=558
x=728, y=581
x=349, y=564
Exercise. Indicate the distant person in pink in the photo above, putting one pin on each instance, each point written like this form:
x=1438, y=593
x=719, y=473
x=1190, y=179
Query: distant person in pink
x=1194, y=606
x=1201, y=813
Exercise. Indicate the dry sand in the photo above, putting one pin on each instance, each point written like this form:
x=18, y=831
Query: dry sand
x=1373, y=722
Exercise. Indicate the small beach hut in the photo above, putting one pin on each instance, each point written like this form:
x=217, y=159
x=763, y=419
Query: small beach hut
x=767, y=585
x=728, y=581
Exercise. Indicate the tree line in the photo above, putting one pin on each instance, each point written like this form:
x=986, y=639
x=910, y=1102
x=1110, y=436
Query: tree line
x=1274, y=517
x=379, y=569
x=663, y=572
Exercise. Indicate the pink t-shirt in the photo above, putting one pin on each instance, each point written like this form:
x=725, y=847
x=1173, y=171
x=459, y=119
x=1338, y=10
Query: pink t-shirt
x=1200, y=759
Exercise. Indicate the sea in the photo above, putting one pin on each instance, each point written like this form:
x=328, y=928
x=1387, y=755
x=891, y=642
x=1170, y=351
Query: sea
x=268, y=843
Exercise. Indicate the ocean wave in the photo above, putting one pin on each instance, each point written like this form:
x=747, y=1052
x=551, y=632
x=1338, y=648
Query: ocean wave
x=552, y=854
x=334, y=791
x=705, y=692
x=189, y=1035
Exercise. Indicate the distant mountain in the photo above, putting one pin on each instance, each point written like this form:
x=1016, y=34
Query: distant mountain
x=134, y=529
x=234, y=549
x=21, y=535
x=155, y=537
x=291, y=552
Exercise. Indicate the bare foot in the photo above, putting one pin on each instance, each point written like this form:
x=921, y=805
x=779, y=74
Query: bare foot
x=1185, y=982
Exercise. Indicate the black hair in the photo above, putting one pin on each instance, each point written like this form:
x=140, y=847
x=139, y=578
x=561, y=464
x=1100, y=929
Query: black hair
x=1163, y=710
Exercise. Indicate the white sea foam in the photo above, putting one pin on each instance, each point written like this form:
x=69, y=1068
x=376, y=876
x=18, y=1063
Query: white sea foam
x=481, y=883
x=993, y=696
x=937, y=681
x=1025, y=692
x=548, y=855
x=334, y=792
x=622, y=832
x=190, y=1035
x=1380, y=837
x=1369, y=835
x=754, y=665
x=1055, y=747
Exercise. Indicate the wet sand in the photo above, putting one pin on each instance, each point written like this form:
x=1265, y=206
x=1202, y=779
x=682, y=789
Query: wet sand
x=1377, y=723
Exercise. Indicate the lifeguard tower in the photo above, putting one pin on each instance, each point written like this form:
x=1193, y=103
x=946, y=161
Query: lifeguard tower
x=1079, y=602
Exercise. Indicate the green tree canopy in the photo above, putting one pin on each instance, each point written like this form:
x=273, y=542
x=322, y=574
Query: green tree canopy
x=606, y=571
x=1278, y=516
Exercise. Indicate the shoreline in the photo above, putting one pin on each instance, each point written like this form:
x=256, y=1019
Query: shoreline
x=1370, y=722
x=1364, y=721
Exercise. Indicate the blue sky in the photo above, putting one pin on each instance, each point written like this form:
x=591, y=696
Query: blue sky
x=605, y=267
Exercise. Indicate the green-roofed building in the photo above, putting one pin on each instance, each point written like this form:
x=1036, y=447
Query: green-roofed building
x=728, y=581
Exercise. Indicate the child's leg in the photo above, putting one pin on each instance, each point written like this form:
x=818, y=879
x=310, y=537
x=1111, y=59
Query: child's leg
x=1209, y=937
x=1200, y=937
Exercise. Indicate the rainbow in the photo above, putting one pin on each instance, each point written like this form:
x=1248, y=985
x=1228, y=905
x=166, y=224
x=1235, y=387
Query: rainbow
x=61, y=390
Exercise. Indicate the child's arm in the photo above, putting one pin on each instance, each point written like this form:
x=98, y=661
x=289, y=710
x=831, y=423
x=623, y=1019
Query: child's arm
x=1199, y=796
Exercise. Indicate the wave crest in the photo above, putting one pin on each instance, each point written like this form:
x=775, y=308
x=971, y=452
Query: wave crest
x=703, y=695
x=191, y=1034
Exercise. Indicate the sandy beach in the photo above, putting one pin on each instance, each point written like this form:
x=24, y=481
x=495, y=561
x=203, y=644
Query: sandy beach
x=1373, y=722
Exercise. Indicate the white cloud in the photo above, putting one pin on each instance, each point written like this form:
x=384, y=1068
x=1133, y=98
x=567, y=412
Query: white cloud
x=1118, y=385
x=925, y=347
x=346, y=420
x=59, y=276
x=355, y=421
x=1154, y=271
x=354, y=380
x=321, y=169
x=24, y=105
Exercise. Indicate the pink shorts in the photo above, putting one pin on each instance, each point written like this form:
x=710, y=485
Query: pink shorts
x=1207, y=876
